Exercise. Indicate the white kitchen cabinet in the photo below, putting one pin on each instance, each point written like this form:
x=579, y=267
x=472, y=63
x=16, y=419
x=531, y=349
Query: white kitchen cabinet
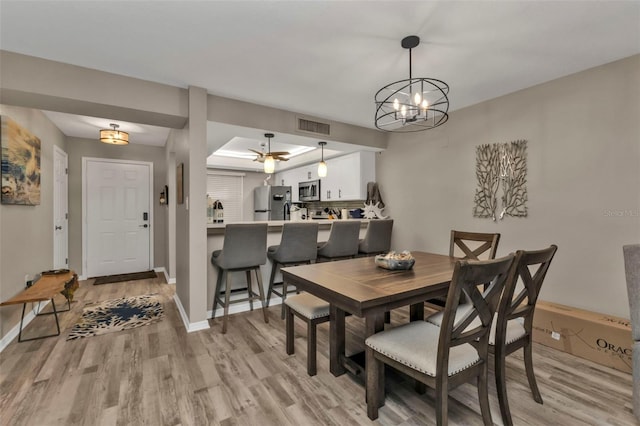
x=347, y=177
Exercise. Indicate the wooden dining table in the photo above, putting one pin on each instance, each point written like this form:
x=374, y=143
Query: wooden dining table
x=359, y=287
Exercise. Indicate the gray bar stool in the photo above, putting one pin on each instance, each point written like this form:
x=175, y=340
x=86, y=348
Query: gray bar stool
x=298, y=246
x=343, y=241
x=378, y=237
x=243, y=250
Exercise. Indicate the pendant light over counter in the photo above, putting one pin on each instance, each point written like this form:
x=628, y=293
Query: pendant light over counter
x=322, y=166
x=269, y=162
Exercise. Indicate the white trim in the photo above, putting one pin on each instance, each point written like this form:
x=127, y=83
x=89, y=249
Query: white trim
x=237, y=308
x=191, y=327
x=59, y=151
x=13, y=333
x=168, y=279
x=85, y=160
x=211, y=171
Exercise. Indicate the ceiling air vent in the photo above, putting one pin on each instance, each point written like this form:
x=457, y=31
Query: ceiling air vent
x=313, y=127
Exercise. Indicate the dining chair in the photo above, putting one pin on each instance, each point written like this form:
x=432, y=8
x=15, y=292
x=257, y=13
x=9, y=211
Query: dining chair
x=297, y=246
x=313, y=311
x=243, y=250
x=343, y=241
x=632, y=273
x=447, y=356
x=377, y=239
x=469, y=246
x=512, y=326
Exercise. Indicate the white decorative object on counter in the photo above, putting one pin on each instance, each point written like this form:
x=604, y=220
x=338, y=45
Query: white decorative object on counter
x=372, y=211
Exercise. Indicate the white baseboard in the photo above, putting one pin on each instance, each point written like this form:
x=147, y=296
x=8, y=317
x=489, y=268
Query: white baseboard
x=13, y=333
x=190, y=326
x=167, y=278
x=237, y=308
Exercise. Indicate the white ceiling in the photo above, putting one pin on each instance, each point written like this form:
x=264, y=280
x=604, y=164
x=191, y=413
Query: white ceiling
x=323, y=58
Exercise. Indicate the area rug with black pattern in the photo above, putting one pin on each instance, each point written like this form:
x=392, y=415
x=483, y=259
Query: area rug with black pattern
x=117, y=315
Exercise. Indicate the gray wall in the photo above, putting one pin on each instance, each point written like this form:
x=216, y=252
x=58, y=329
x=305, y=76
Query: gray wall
x=77, y=149
x=583, y=135
x=26, y=232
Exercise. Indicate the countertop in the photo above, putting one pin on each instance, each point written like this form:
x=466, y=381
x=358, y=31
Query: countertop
x=277, y=224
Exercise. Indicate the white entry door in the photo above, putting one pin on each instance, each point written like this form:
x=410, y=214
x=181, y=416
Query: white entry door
x=60, y=209
x=118, y=217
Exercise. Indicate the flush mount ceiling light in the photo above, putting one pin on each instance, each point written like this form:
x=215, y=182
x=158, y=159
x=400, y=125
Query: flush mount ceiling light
x=114, y=136
x=269, y=162
x=413, y=104
x=322, y=166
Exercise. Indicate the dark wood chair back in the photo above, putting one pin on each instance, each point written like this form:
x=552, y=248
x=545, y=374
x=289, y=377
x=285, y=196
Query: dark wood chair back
x=460, y=244
x=529, y=268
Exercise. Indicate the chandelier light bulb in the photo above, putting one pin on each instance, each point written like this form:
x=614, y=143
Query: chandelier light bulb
x=417, y=98
x=425, y=104
x=396, y=104
x=403, y=110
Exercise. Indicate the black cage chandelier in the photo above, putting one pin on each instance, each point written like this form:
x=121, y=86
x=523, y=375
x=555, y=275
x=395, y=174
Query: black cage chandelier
x=413, y=104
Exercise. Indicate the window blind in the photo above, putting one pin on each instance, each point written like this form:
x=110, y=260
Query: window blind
x=227, y=187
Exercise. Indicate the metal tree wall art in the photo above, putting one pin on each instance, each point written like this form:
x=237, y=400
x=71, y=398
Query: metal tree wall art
x=501, y=165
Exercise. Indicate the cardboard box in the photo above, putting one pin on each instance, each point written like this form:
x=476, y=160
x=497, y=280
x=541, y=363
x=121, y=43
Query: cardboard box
x=600, y=338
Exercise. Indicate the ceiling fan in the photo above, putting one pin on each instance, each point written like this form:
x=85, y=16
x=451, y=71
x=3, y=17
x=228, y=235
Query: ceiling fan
x=276, y=155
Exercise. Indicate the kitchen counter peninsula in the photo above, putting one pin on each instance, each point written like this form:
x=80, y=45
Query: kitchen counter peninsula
x=215, y=239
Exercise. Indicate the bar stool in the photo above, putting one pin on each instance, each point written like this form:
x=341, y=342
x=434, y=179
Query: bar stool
x=243, y=250
x=298, y=246
x=378, y=237
x=343, y=241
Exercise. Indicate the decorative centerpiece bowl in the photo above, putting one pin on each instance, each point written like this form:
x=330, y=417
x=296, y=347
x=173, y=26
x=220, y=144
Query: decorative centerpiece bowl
x=395, y=261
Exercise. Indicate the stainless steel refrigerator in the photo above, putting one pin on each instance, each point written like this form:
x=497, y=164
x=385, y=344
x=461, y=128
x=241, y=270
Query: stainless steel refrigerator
x=271, y=203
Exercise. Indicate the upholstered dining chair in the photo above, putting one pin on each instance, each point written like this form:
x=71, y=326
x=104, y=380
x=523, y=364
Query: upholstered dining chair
x=313, y=311
x=469, y=246
x=244, y=249
x=632, y=272
x=447, y=356
x=343, y=241
x=512, y=326
x=299, y=245
x=377, y=238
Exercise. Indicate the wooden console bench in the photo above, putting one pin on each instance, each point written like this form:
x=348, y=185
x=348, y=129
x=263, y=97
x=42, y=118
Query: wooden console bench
x=46, y=288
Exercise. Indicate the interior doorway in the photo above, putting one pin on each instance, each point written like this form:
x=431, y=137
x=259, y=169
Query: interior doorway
x=60, y=209
x=117, y=220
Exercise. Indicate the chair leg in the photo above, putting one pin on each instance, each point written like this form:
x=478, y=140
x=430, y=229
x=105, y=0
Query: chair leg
x=387, y=317
x=261, y=292
x=216, y=294
x=483, y=396
x=442, y=408
x=284, y=297
x=249, y=290
x=289, y=330
x=274, y=267
x=528, y=364
x=501, y=385
x=374, y=384
x=311, y=348
x=227, y=299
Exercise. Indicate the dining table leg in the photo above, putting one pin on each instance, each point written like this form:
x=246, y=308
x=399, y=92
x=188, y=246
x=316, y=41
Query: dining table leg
x=336, y=340
x=416, y=312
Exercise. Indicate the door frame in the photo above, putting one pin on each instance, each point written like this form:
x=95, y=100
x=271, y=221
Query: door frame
x=59, y=151
x=85, y=163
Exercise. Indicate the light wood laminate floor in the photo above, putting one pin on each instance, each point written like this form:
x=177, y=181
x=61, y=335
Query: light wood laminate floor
x=162, y=375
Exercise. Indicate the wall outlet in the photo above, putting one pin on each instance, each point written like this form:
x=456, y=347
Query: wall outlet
x=555, y=335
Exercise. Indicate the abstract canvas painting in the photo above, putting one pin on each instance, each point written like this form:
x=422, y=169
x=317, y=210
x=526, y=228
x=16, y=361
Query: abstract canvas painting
x=20, y=164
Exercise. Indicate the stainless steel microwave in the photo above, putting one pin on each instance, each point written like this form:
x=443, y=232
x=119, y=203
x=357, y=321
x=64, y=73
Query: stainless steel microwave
x=309, y=191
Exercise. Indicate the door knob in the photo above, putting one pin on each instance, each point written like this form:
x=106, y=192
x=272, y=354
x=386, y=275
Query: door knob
x=144, y=226
x=58, y=228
